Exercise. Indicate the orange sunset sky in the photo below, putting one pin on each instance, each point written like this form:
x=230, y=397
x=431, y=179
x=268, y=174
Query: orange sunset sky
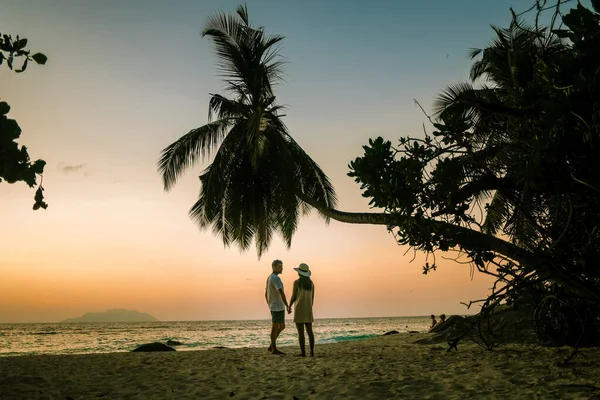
x=125, y=79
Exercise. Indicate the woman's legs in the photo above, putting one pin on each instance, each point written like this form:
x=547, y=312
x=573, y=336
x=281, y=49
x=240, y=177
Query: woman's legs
x=311, y=340
x=301, y=339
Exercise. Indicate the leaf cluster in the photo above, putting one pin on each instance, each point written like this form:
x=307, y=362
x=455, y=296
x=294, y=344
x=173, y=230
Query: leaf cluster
x=12, y=49
x=15, y=164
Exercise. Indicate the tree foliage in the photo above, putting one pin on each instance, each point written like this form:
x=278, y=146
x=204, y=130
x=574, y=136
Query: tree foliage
x=513, y=159
x=13, y=49
x=15, y=164
x=249, y=190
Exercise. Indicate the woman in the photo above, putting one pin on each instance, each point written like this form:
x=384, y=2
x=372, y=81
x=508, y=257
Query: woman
x=303, y=296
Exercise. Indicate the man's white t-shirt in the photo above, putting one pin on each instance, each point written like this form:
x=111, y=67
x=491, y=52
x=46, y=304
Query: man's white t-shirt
x=273, y=296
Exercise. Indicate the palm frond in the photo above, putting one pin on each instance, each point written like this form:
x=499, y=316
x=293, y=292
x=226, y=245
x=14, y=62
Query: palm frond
x=228, y=33
x=187, y=150
x=453, y=95
x=248, y=59
x=497, y=215
x=210, y=207
x=224, y=108
x=231, y=63
x=474, y=53
x=242, y=12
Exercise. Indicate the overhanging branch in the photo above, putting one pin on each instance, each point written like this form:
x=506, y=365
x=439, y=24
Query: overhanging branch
x=467, y=239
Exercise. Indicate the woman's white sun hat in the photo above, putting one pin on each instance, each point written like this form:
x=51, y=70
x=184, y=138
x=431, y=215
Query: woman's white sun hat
x=303, y=269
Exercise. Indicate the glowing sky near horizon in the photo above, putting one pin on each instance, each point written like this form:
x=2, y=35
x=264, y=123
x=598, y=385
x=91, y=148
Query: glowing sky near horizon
x=125, y=79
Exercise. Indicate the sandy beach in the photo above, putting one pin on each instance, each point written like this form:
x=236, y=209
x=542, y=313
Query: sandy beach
x=382, y=367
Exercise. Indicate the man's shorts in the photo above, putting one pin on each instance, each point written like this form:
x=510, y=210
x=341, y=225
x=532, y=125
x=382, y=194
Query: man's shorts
x=278, y=316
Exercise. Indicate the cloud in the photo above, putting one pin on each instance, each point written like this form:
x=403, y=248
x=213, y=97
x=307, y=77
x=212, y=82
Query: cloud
x=67, y=169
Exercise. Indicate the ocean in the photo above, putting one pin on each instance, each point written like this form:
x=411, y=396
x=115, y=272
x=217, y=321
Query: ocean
x=110, y=337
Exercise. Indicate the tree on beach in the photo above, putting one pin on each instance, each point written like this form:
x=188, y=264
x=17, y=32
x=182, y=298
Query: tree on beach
x=249, y=191
x=509, y=178
x=15, y=164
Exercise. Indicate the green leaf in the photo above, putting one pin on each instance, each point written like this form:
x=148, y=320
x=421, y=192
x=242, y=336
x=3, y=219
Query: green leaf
x=10, y=128
x=29, y=178
x=23, y=67
x=21, y=44
x=4, y=108
x=38, y=166
x=39, y=58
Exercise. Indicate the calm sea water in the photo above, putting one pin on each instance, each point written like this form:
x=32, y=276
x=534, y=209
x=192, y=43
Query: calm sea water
x=107, y=337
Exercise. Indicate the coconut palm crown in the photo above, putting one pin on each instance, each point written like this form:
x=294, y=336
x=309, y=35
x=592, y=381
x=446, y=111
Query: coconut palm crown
x=512, y=67
x=251, y=188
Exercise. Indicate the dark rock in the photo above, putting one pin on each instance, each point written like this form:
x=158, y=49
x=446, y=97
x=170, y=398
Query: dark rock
x=173, y=343
x=154, y=347
x=391, y=333
x=219, y=347
x=414, y=332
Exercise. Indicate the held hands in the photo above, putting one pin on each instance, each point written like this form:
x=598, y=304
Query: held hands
x=289, y=309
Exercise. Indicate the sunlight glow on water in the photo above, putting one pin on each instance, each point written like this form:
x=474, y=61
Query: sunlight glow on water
x=106, y=337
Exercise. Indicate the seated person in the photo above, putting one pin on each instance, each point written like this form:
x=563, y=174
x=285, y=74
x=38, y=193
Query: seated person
x=433, y=322
x=437, y=325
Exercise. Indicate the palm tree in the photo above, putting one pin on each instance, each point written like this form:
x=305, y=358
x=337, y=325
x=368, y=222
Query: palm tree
x=510, y=67
x=249, y=191
x=260, y=179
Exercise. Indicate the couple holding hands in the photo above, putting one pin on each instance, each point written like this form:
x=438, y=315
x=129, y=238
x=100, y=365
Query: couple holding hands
x=303, y=296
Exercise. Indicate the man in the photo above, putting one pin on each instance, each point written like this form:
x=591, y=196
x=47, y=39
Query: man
x=277, y=302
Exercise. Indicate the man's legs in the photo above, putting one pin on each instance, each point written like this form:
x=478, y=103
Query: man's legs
x=278, y=319
x=311, y=339
x=301, y=339
x=281, y=328
x=275, y=332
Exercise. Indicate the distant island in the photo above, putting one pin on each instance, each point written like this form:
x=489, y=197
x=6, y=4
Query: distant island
x=114, y=315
